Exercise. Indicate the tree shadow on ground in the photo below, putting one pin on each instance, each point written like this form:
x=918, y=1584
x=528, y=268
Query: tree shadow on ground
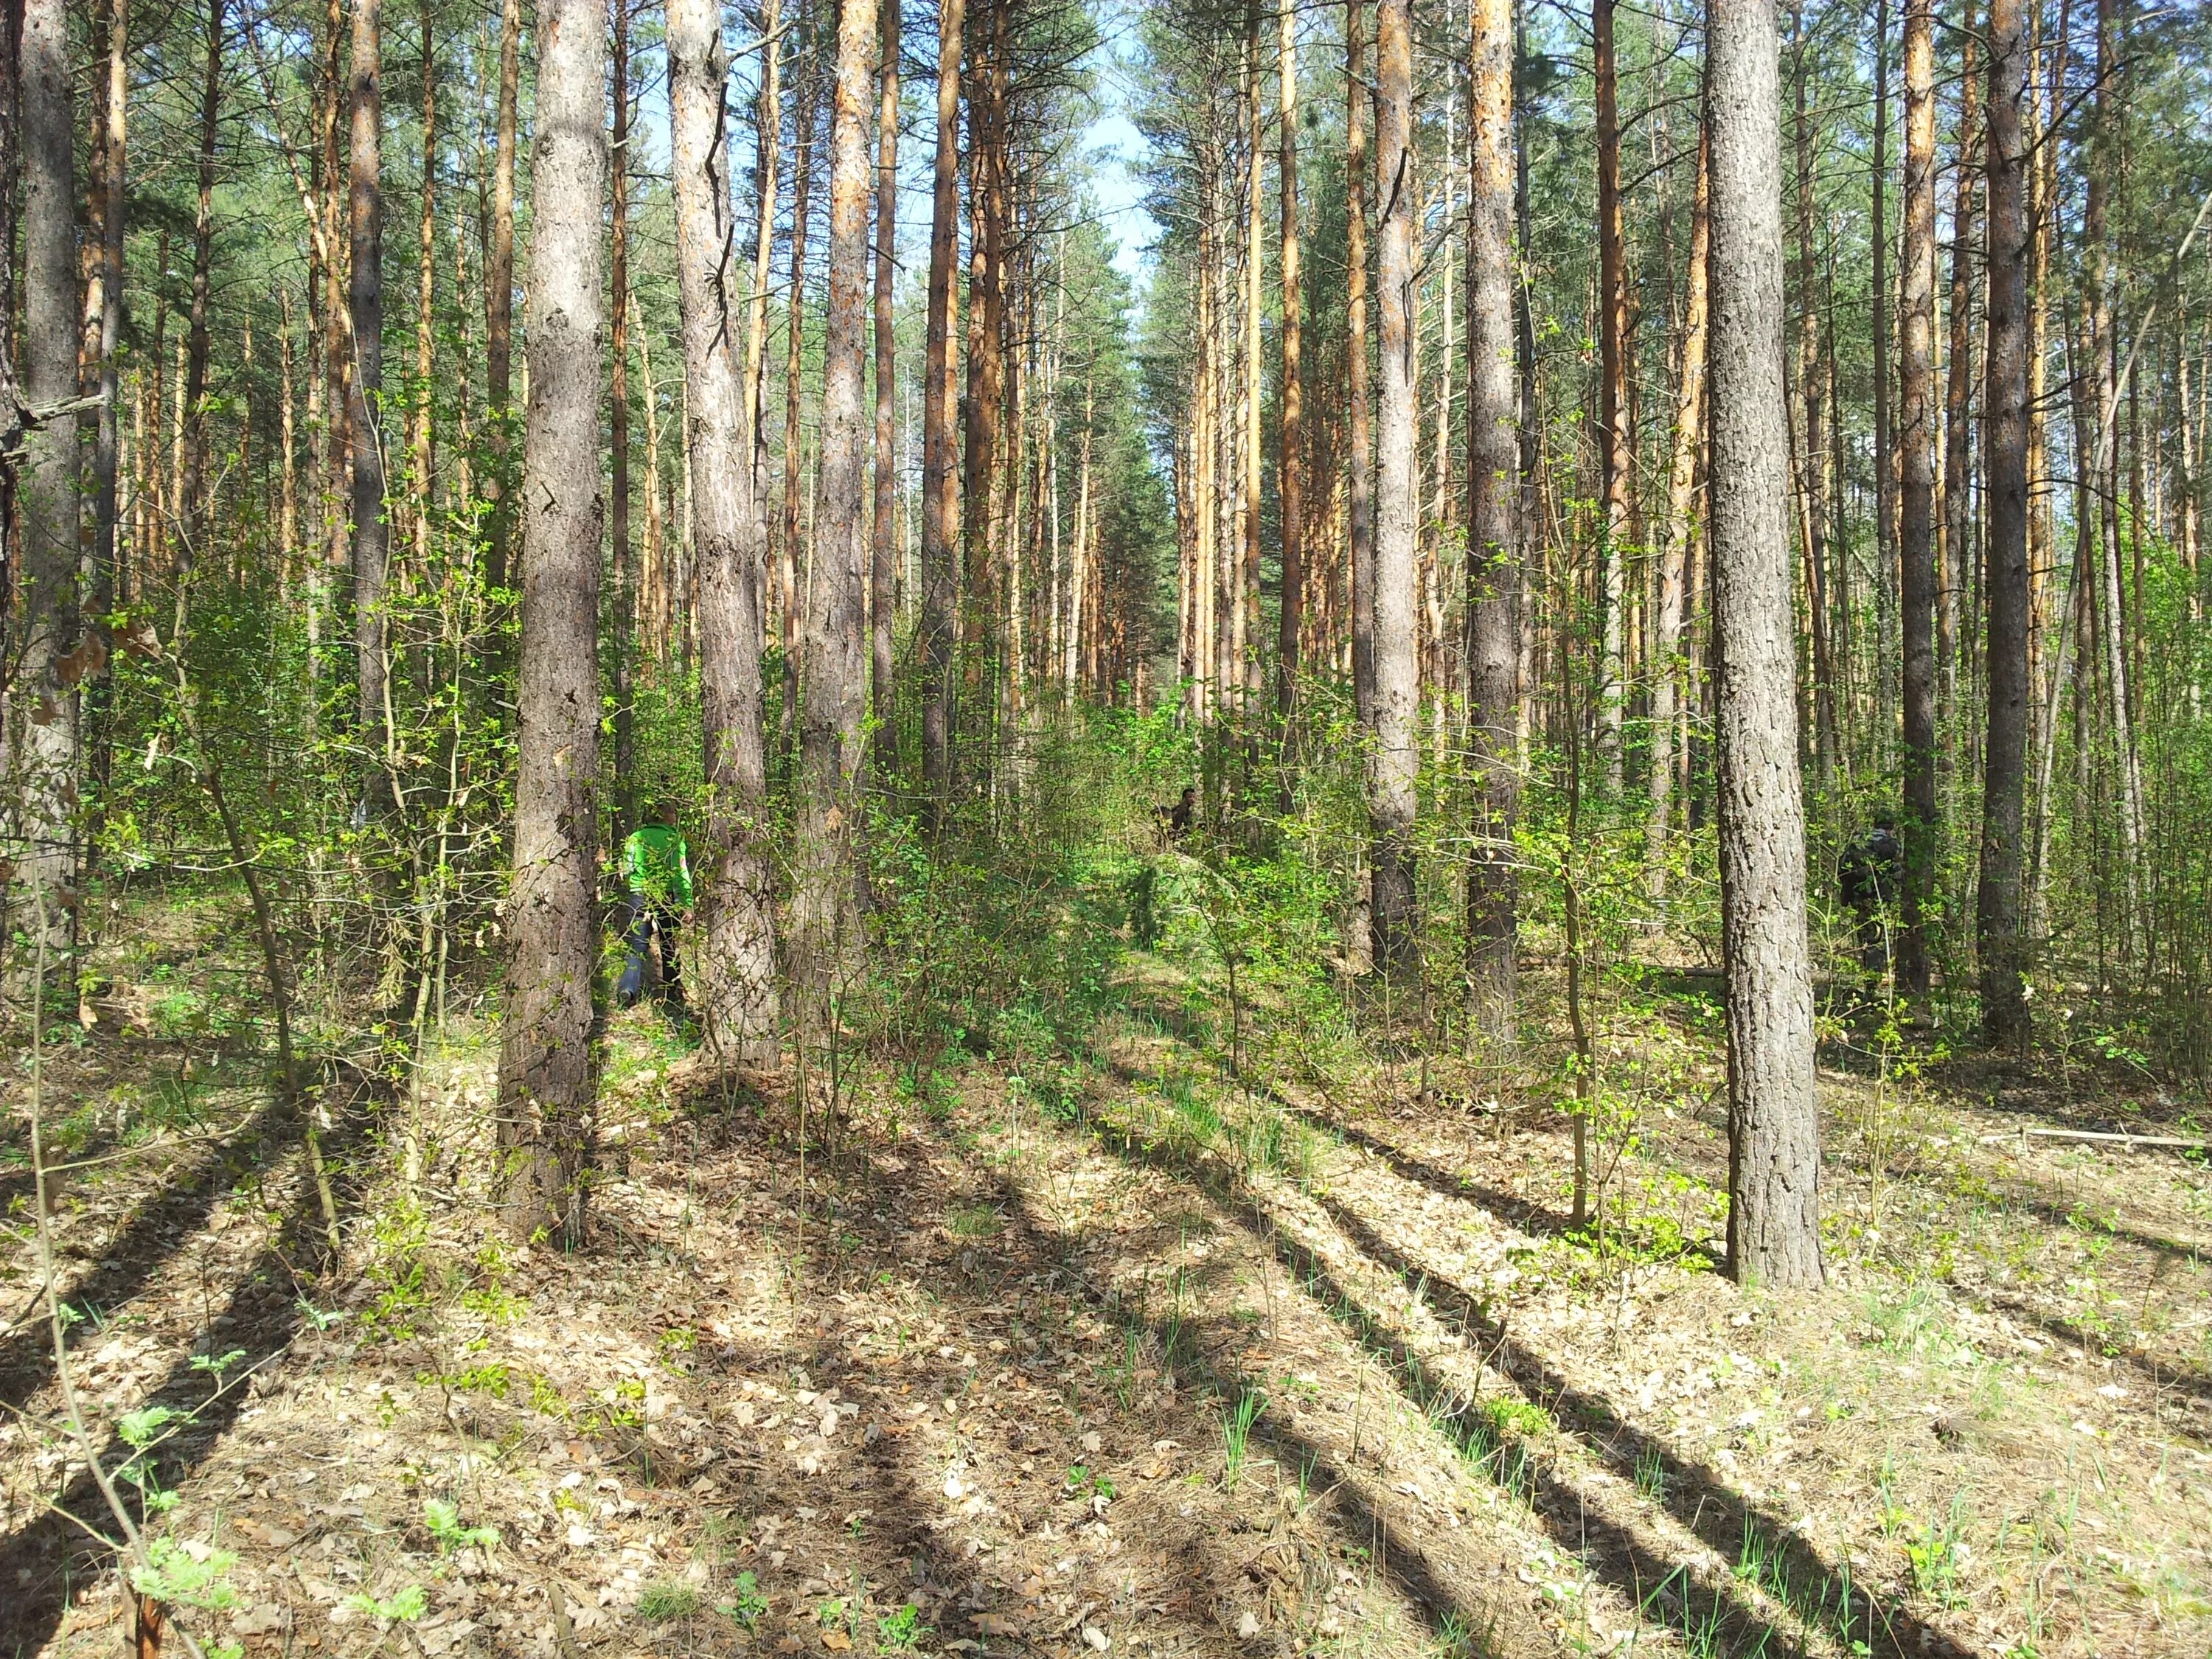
x=157, y=1228
x=1721, y=1518
x=43, y=1561
x=1616, y=1554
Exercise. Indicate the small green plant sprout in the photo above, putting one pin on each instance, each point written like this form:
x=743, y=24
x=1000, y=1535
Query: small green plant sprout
x=1936, y=1553
x=1518, y=1417
x=141, y=1430
x=1652, y=1474
x=444, y=1522
x=674, y=1344
x=216, y=1365
x=1237, y=1435
x=664, y=1600
x=749, y=1607
x=901, y=1632
x=190, y=1577
x=404, y=1608
x=321, y=1319
x=1084, y=1481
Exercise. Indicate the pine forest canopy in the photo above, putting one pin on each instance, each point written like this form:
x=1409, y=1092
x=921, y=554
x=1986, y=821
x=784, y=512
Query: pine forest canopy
x=1592, y=489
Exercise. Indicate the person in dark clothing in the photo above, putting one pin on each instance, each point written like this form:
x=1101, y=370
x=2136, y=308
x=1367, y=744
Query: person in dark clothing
x=1185, y=810
x=1868, y=880
x=657, y=869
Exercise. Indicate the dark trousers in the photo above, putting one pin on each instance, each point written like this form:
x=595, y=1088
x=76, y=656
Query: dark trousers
x=647, y=921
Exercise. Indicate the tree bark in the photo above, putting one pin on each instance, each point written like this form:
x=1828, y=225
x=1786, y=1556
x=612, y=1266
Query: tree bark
x=1680, y=529
x=547, y=1063
x=42, y=702
x=791, y=601
x=334, y=520
x=1617, y=443
x=1885, y=457
x=883, y=575
x=940, y=471
x=734, y=973
x=835, y=689
x=1812, y=452
x=107, y=444
x=1494, y=551
x=2104, y=351
x=1360, y=488
x=1916, y=514
x=499, y=305
x=426, y=267
x=623, y=556
x=104, y=343
x=1999, y=935
x=372, y=539
x=1291, y=439
x=1391, y=802
x=1246, y=625
x=768, y=123
x=987, y=385
x=190, y=506
x=1774, y=1148
x=1958, y=429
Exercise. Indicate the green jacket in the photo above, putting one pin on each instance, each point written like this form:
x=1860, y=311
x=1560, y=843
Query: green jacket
x=656, y=866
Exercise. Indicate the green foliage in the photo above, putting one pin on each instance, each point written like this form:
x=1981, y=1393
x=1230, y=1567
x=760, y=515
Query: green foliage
x=189, y=1576
x=405, y=1608
x=664, y=1600
x=1236, y=1434
x=901, y=1631
x=444, y=1522
x=747, y=1606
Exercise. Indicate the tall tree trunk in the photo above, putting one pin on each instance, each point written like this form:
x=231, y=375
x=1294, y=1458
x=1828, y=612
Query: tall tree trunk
x=1617, y=443
x=1957, y=430
x=986, y=356
x=1774, y=1147
x=883, y=574
x=426, y=268
x=1290, y=438
x=334, y=526
x=768, y=124
x=1494, y=546
x=371, y=541
x=1248, y=613
x=106, y=452
x=190, y=507
x=734, y=973
x=1359, y=511
x=547, y=1069
x=1680, y=530
x=791, y=602
x=42, y=702
x=836, y=660
x=1999, y=935
x=940, y=471
x=13, y=413
x=1812, y=454
x=1885, y=457
x=624, y=805
x=288, y=500
x=2104, y=351
x=499, y=304
x=1391, y=801
x=1916, y=517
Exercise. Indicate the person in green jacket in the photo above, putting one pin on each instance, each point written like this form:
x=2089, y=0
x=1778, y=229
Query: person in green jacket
x=657, y=868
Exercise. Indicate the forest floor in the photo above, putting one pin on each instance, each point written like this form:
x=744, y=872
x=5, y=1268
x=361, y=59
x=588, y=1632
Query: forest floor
x=1145, y=1357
